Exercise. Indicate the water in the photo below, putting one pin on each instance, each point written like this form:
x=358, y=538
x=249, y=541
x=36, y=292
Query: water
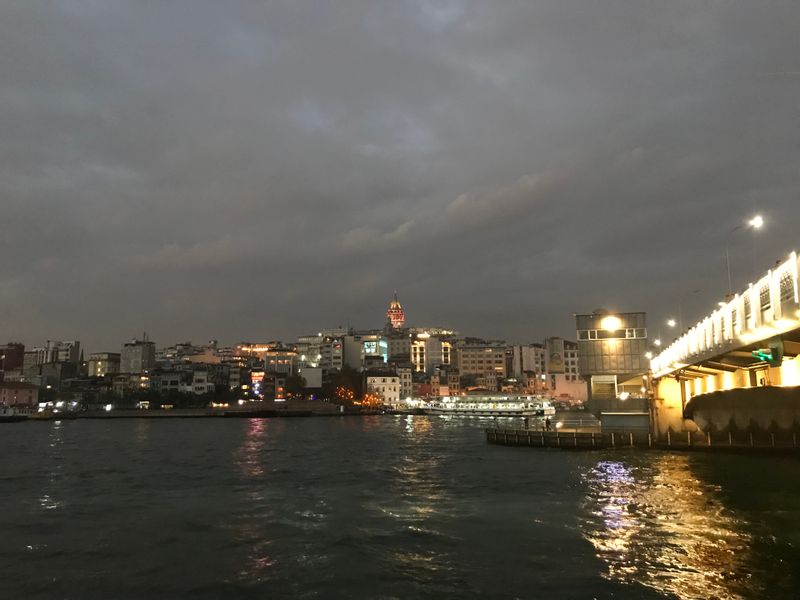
x=380, y=507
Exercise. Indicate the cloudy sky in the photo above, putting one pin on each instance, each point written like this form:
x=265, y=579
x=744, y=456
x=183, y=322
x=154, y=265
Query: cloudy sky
x=262, y=169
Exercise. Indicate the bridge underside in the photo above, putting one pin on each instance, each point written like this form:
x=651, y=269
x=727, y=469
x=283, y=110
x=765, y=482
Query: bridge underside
x=733, y=388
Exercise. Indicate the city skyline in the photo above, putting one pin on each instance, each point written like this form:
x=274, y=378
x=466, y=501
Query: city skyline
x=263, y=171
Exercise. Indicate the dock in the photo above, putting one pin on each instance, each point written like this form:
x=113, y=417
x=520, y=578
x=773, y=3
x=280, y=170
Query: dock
x=596, y=440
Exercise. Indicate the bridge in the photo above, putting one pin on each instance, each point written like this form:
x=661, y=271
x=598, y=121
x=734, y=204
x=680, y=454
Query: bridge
x=737, y=368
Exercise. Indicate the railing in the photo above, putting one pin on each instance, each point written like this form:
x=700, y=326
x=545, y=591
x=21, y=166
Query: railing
x=685, y=440
x=769, y=307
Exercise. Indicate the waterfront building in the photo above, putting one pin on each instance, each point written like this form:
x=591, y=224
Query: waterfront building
x=138, y=356
x=103, y=363
x=16, y=393
x=612, y=358
x=386, y=384
x=312, y=377
x=126, y=382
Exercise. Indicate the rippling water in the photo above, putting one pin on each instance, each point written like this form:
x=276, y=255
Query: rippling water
x=381, y=507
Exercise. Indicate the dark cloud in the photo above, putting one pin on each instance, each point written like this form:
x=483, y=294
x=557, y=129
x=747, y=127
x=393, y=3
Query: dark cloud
x=259, y=170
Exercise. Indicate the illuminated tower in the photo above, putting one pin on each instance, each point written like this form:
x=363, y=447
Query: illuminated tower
x=396, y=314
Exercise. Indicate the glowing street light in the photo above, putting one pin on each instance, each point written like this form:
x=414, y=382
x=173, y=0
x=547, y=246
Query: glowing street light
x=757, y=222
x=648, y=355
x=657, y=342
x=671, y=323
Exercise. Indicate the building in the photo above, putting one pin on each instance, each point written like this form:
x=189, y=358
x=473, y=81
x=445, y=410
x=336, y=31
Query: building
x=12, y=356
x=386, y=384
x=276, y=356
x=612, y=358
x=13, y=393
x=103, y=363
x=54, y=352
x=429, y=351
x=446, y=381
x=405, y=372
x=481, y=358
x=528, y=361
x=138, y=356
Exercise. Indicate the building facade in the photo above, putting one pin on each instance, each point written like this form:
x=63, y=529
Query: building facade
x=103, y=363
x=138, y=356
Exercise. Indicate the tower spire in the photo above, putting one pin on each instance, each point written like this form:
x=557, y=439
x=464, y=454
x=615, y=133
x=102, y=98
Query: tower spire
x=396, y=314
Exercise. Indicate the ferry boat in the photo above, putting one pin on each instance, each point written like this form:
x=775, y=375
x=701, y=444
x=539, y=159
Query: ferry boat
x=489, y=406
x=9, y=414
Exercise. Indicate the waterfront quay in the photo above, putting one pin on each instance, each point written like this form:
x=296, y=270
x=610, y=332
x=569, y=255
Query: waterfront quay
x=741, y=441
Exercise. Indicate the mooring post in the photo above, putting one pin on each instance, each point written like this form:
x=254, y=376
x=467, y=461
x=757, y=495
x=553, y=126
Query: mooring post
x=708, y=437
x=669, y=437
x=575, y=438
x=543, y=439
x=630, y=433
x=558, y=439
x=593, y=439
x=688, y=438
x=730, y=439
x=613, y=444
x=751, y=439
x=649, y=440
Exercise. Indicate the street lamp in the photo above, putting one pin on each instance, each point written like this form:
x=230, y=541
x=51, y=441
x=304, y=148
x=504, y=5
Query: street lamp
x=671, y=323
x=755, y=223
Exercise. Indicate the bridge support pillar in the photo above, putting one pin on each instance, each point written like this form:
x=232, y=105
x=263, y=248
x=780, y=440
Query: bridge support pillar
x=668, y=408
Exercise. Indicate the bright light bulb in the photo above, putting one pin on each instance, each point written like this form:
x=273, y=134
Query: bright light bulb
x=672, y=322
x=756, y=222
x=611, y=323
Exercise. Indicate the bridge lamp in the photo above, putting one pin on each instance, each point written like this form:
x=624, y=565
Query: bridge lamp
x=671, y=323
x=611, y=323
x=756, y=222
x=657, y=342
x=648, y=355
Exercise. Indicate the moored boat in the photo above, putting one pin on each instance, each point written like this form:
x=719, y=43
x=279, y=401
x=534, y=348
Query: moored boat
x=9, y=414
x=489, y=406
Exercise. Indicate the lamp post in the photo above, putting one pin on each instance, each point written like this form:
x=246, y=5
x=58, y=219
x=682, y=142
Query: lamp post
x=755, y=223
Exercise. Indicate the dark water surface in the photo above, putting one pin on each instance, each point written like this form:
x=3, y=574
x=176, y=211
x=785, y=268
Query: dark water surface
x=380, y=507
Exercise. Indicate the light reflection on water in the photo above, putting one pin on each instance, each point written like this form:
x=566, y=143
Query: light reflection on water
x=247, y=528
x=48, y=500
x=662, y=527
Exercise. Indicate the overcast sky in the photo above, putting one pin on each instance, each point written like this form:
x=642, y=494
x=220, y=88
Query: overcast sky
x=257, y=170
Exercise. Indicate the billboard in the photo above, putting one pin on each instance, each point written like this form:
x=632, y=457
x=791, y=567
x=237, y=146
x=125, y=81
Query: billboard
x=555, y=355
